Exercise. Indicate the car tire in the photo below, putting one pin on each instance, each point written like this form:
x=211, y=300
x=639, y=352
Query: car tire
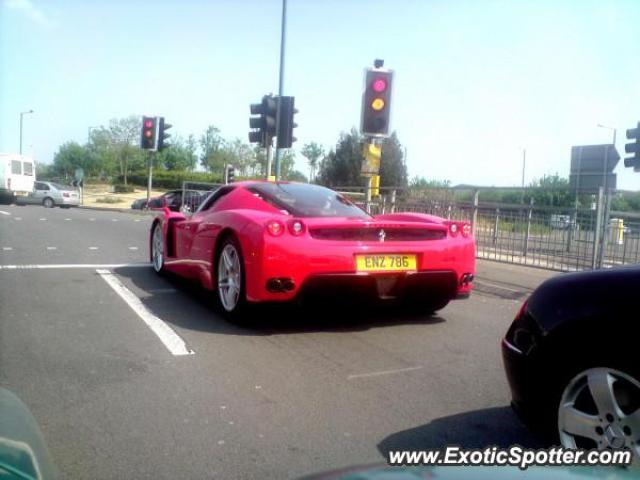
x=65, y=206
x=591, y=413
x=48, y=202
x=157, y=248
x=229, y=275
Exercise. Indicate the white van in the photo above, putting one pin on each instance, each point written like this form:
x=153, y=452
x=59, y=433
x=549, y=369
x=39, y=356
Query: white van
x=17, y=175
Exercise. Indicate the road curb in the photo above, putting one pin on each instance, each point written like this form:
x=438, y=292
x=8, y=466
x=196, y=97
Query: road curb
x=121, y=210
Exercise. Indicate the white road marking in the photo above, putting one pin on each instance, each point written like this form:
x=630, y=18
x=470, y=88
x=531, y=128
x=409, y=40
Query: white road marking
x=171, y=339
x=383, y=372
x=93, y=248
x=73, y=265
x=4, y=213
x=137, y=220
x=52, y=248
x=7, y=249
x=92, y=219
x=114, y=219
x=43, y=219
x=68, y=219
x=17, y=218
x=133, y=248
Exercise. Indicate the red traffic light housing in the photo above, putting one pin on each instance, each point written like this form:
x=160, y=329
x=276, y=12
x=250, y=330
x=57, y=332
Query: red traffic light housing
x=148, y=134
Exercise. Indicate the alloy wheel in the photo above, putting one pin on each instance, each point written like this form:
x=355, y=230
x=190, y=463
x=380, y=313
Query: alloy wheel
x=600, y=408
x=229, y=277
x=157, y=249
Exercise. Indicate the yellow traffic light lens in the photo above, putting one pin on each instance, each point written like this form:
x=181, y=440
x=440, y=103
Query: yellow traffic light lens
x=377, y=104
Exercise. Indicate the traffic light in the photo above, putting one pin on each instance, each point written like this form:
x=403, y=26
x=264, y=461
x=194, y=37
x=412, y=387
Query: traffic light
x=148, y=136
x=634, y=148
x=376, y=102
x=264, y=126
x=229, y=174
x=162, y=136
x=285, y=132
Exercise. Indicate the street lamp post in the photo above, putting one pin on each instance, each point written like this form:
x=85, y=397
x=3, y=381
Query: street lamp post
x=22, y=114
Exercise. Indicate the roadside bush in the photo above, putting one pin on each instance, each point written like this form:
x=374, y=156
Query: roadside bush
x=108, y=200
x=170, y=179
x=122, y=188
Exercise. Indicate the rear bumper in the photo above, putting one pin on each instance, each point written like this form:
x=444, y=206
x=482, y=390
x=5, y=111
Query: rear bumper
x=72, y=202
x=410, y=286
x=522, y=383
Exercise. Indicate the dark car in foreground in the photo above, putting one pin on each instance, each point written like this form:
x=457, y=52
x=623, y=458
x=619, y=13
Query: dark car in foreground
x=571, y=358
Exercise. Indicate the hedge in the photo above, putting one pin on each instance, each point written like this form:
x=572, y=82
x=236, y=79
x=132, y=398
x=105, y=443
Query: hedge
x=168, y=179
x=122, y=188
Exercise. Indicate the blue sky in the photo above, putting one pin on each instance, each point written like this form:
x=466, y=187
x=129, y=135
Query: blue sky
x=476, y=81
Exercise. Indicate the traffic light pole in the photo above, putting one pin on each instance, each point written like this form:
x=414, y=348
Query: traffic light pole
x=280, y=85
x=150, y=177
x=269, y=159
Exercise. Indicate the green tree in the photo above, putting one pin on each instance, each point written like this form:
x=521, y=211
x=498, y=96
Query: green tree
x=116, y=148
x=240, y=156
x=69, y=157
x=212, y=147
x=178, y=156
x=258, y=164
x=551, y=190
x=312, y=152
x=341, y=166
x=393, y=171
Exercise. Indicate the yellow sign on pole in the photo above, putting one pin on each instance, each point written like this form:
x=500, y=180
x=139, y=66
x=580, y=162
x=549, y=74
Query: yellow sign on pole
x=375, y=185
x=372, y=154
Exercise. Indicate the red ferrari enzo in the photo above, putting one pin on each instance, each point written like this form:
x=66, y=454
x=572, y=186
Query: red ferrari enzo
x=260, y=241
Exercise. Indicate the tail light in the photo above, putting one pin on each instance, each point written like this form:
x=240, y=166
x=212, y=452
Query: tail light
x=65, y=194
x=275, y=228
x=456, y=228
x=296, y=227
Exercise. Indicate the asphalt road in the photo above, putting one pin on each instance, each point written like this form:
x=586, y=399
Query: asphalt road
x=306, y=392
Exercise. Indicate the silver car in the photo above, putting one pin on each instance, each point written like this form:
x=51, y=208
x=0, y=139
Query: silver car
x=51, y=194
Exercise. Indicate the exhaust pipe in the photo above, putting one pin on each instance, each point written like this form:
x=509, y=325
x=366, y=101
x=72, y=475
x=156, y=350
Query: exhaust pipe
x=466, y=279
x=280, y=285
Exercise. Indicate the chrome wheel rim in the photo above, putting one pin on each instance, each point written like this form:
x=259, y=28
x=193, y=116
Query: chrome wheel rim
x=229, y=278
x=48, y=203
x=601, y=405
x=157, y=249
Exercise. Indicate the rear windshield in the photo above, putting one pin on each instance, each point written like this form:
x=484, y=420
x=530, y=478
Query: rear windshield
x=304, y=200
x=58, y=186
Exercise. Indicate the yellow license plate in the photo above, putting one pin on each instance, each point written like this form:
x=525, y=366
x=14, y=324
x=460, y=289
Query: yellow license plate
x=385, y=263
